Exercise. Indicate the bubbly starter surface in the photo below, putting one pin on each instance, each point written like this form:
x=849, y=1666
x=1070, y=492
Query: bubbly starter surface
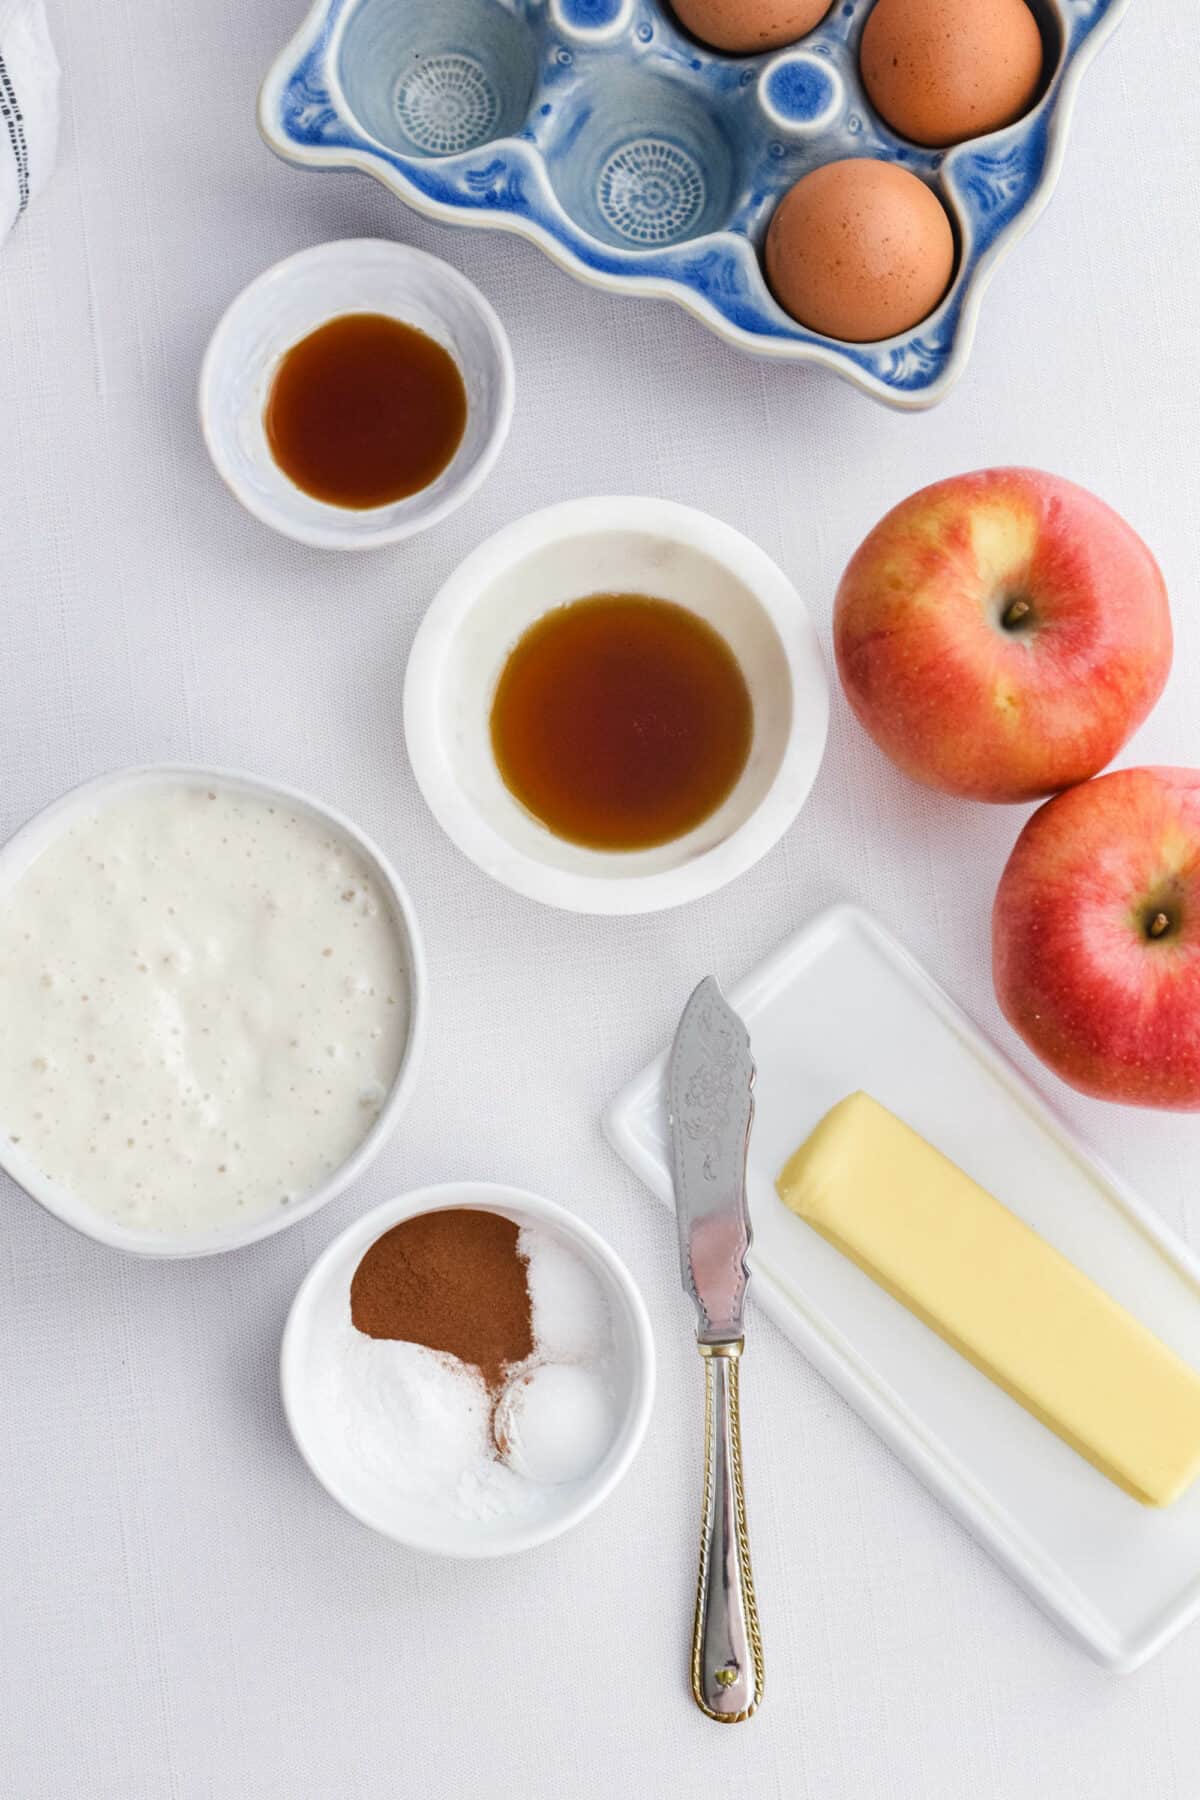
x=205, y=1003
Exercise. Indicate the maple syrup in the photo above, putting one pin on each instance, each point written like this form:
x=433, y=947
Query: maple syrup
x=621, y=721
x=365, y=411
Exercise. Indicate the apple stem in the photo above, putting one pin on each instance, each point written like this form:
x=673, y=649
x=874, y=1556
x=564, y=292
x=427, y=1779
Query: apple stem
x=1013, y=613
x=1158, y=924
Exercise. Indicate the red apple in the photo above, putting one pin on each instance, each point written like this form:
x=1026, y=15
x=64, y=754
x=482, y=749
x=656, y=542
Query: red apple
x=1001, y=634
x=1096, y=937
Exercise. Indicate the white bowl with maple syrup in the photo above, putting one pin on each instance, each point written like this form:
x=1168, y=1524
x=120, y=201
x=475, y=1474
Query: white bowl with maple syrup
x=283, y=309
x=529, y=574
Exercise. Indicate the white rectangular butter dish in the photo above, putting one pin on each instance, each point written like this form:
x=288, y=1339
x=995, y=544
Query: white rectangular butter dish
x=842, y=1006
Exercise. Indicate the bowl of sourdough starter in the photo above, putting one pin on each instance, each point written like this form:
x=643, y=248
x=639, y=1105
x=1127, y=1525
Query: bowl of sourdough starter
x=213, y=990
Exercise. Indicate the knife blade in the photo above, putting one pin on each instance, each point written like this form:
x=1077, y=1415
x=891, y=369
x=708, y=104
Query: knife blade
x=711, y=1103
x=710, y=1083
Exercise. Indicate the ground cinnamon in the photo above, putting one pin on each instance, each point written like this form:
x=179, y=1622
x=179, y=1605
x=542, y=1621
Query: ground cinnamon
x=453, y=1281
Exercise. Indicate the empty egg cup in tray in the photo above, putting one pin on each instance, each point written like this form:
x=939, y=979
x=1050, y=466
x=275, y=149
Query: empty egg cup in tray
x=644, y=162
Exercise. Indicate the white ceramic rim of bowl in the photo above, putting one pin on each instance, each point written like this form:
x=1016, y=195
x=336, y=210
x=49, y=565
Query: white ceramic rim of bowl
x=96, y=1225
x=574, y=891
x=334, y=536
x=496, y=1197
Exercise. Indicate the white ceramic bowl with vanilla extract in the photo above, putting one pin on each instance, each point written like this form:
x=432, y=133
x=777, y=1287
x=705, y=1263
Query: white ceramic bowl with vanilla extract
x=293, y=299
x=569, y=552
x=323, y=1302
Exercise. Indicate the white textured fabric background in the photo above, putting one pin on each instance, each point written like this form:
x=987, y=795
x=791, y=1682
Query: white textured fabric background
x=185, y=1614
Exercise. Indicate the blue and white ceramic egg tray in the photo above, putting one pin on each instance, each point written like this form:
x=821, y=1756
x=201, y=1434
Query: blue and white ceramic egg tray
x=642, y=161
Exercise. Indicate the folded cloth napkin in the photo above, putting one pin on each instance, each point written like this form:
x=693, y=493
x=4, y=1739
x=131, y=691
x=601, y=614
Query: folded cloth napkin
x=28, y=106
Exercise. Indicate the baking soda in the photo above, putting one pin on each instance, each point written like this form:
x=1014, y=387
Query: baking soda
x=555, y=1421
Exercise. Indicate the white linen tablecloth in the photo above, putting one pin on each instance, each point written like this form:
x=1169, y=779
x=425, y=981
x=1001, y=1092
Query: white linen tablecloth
x=184, y=1614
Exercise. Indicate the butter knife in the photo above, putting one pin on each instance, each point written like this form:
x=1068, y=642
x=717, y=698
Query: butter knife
x=711, y=1103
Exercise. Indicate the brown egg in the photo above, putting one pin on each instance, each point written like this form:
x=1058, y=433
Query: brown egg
x=742, y=26
x=859, y=250
x=941, y=71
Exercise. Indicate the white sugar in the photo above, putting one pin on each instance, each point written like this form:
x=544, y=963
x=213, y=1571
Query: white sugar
x=417, y=1422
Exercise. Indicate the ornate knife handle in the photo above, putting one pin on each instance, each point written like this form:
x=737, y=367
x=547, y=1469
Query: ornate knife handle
x=727, y=1660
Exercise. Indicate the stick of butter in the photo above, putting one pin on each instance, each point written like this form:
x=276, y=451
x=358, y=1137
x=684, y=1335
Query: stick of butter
x=1003, y=1297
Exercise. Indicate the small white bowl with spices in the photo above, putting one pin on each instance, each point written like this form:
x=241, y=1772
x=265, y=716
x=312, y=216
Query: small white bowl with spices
x=369, y=279
x=413, y=1439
